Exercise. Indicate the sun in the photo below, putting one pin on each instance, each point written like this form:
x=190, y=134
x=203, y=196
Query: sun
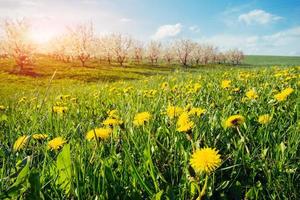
x=41, y=36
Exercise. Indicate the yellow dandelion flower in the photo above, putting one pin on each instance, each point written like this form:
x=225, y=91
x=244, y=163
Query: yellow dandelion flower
x=205, y=160
x=236, y=89
x=56, y=143
x=282, y=96
x=164, y=85
x=113, y=114
x=234, y=120
x=20, y=142
x=264, y=119
x=197, y=87
x=73, y=100
x=251, y=94
x=22, y=100
x=102, y=133
x=197, y=111
x=112, y=122
x=174, y=111
x=2, y=108
x=225, y=84
x=39, y=136
x=184, y=124
x=141, y=118
x=60, y=109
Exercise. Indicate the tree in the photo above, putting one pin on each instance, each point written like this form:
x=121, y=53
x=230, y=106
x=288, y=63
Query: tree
x=3, y=50
x=197, y=53
x=137, y=51
x=61, y=48
x=221, y=58
x=19, y=45
x=153, y=51
x=120, y=47
x=83, y=41
x=184, y=48
x=208, y=54
x=235, y=56
x=168, y=53
x=104, y=48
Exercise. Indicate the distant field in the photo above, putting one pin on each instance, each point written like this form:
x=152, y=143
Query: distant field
x=68, y=74
x=272, y=60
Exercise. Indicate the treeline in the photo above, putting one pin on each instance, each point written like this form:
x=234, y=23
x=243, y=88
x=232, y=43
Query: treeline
x=83, y=44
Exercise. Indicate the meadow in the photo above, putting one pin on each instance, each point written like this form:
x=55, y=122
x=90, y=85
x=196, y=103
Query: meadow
x=134, y=132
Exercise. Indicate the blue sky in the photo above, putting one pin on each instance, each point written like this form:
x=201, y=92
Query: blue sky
x=256, y=27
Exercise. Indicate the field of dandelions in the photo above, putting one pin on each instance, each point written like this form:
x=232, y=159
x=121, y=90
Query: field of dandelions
x=210, y=135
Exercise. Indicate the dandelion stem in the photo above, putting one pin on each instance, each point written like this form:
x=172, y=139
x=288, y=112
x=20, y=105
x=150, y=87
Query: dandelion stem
x=242, y=138
x=202, y=193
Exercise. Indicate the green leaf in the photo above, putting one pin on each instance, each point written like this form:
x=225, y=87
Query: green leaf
x=3, y=118
x=20, y=185
x=158, y=195
x=23, y=175
x=64, y=169
x=137, y=175
x=35, y=186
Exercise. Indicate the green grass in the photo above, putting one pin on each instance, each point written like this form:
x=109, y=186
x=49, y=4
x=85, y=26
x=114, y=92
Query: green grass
x=272, y=60
x=150, y=161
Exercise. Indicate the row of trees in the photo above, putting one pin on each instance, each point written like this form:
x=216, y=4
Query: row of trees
x=16, y=42
x=81, y=43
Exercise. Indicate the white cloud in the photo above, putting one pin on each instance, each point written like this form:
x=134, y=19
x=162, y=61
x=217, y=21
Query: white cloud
x=125, y=20
x=167, y=31
x=194, y=29
x=258, y=17
x=285, y=42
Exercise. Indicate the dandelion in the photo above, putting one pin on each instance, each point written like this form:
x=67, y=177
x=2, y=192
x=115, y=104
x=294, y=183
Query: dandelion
x=73, y=100
x=56, y=143
x=39, y=136
x=236, y=89
x=102, y=133
x=234, y=120
x=225, y=84
x=197, y=111
x=282, y=96
x=164, y=85
x=22, y=100
x=205, y=160
x=251, y=94
x=2, y=107
x=60, y=109
x=112, y=122
x=141, y=118
x=184, y=124
x=174, y=111
x=264, y=119
x=20, y=142
x=197, y=87
x=113, y=114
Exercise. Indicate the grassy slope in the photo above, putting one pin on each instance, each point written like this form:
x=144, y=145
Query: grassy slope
x=139, y=162
x=272, y=60
x=240, y=175
x=68, y=74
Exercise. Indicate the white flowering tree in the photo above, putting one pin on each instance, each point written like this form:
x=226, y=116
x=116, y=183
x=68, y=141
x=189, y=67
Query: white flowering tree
x=120, y=46
x=169, y=53
x=154, y=51
x=18, y=43
x=83, y=42
x=137, y=51
x=104, y=48
x=3, y=50
x=184, y=49
x=235, y=56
